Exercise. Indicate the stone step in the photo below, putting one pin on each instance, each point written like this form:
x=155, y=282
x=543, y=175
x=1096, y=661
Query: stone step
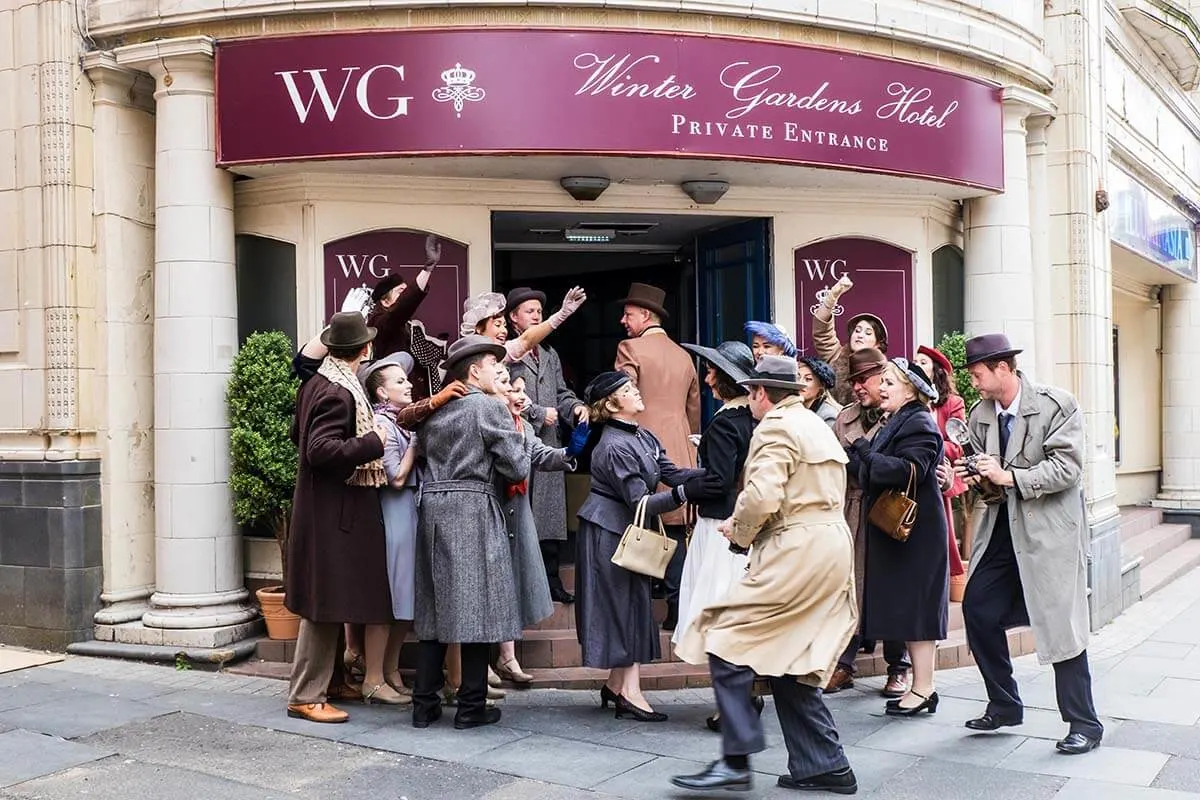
x=1169, y=566
x=1155, y=543
x=1136, y=520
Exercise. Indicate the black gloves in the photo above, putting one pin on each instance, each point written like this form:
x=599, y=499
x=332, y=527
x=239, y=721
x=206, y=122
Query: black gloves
x=703, y=487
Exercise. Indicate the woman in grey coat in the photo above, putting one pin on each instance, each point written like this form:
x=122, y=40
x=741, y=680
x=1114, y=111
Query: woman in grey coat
x=613, y=617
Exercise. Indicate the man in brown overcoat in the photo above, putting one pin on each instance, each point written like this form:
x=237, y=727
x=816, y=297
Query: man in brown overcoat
x=337, y=569
x=666, y=378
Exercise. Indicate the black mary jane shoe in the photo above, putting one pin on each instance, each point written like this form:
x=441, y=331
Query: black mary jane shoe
x=841, y=781
x=718, y=775
x=607, y=696
x=713, y=723
x=991, y=722
x=1077, y=744
x=628, y=709
x=929, y=704
x=476, y=719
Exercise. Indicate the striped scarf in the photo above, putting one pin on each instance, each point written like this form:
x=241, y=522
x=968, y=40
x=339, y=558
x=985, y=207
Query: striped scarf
x=339, y=373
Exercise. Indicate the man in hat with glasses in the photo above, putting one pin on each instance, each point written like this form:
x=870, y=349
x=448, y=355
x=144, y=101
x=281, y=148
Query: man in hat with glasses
x=551, y=402
x=1030, y=442
x=465, y=590
x=666, y=378
x=794, y=611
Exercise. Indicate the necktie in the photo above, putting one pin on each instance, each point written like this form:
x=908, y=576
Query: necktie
x=1005, y=430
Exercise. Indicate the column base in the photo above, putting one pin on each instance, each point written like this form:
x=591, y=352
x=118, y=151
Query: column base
x=127, y=606
x=218, y=656
x=221, y=637
x=1180, y=508
x=1107, y=595
x=196, y=611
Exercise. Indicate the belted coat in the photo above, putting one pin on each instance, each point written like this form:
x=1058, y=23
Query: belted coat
x=1046, y=513
x=465, y=585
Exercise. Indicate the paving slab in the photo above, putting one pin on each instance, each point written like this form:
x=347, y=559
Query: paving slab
x=79, y=714
x=520, y=789
x=1110, y=764
x=439, y=741
x=123, y=779
x=652, y=781
x=944, y=742
x=562, y=761
x=677, y=738
x=1082, y=789
x=1177, y=740
x=25, y=755
x=407, y=777
x=1174, y=650
x=943, y=780
x=21, y=693
x=1182, y=774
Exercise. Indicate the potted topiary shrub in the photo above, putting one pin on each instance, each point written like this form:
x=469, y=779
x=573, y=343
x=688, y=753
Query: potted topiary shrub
x=954, y=346
x=261, y=397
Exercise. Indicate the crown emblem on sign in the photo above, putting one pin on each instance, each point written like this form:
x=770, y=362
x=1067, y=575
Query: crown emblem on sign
x=458, y=88
x=459, y=76
x=821, y=297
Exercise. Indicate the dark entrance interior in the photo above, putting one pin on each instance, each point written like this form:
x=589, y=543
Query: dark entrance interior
x=715, y=270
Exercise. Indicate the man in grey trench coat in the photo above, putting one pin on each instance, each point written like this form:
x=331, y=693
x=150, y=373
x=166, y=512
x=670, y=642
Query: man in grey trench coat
x=1029, y=557
x=465, y=590
x=550, y=401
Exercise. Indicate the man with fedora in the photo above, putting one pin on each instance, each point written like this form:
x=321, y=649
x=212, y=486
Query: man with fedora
x=666, y=377
x=861, y=420
x=551, y=402
x=393, y=305
x=794, y=610
x=1029, y=555
x=465, y=590
x=337, y=568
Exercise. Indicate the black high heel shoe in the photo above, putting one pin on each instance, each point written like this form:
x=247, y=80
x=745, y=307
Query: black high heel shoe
x=607, y=696
x=929, y=704
x=626, y=708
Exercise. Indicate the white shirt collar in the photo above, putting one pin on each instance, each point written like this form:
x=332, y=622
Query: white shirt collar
x=1011, y=408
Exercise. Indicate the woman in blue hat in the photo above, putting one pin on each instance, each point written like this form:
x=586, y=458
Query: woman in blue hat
x=767, y=339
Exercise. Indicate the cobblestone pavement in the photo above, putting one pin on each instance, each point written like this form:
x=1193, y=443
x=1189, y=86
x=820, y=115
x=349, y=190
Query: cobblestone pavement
x=113, y=730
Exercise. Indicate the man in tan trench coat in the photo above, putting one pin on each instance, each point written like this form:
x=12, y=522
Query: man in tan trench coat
x=791, y=615
x=666, y=377
x=1029, y=556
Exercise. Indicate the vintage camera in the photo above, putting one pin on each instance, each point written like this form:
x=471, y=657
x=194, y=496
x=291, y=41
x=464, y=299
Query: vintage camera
x=959, y=433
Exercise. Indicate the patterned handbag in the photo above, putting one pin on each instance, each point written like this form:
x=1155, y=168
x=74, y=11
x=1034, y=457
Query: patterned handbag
x=642, y=550
x=894, y=512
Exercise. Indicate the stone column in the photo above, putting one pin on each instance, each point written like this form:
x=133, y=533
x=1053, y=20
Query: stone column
x=123, y=125
x=998, y=257
x=200, y=596
x=1181, y=388
x=1039, y=239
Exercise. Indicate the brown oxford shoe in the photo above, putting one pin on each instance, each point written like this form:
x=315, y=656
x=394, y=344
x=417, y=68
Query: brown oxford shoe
x=896, y=686
x=842, y=679
x=317, y=712
x=345, y=693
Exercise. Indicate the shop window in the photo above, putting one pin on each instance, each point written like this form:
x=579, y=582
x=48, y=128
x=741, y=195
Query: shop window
x=266, y=285
x=949, y=292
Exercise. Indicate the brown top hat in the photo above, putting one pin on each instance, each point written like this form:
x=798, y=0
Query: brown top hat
x=472, y=345
x=989, y=347
x=865, y=363
x=520, y=295
x=347, y=329
x=651, y=298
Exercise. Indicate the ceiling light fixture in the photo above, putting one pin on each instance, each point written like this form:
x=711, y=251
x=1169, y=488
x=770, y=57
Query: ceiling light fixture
x=589, y=235
x=584, y=188
x=705, y=192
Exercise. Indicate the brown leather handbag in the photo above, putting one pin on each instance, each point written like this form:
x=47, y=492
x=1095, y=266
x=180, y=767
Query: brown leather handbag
x=894, y=512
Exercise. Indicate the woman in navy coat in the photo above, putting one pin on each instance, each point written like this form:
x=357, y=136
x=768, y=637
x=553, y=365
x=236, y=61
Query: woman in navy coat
x=906, y=591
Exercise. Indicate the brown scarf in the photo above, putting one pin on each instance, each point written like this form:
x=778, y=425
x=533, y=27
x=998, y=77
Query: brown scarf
x=339, y=373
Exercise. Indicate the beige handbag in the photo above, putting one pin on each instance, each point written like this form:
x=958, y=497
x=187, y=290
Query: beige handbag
x=642, y=550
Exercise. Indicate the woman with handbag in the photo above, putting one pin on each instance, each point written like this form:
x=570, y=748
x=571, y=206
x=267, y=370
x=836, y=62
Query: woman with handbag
x=613, y=616
x=905, y=597
x=710, y=567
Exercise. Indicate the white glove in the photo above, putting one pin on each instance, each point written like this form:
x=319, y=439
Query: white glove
x=358, y=299
x=571, y=303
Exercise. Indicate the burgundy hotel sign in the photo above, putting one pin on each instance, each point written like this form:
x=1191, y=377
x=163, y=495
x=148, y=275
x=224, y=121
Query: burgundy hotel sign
x=601, y=92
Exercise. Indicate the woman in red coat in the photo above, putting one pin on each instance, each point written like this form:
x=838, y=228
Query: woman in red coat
x=949, y=404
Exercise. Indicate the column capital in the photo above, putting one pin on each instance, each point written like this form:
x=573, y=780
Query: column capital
x=1028, y=104
x=115, y=84
x=178, y=65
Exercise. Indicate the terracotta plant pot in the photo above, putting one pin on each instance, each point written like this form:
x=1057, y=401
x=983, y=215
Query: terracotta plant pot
x=282, y=624
x=958, y=587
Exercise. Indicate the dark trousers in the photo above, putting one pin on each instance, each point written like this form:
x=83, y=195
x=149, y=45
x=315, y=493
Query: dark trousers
x=808, y=729
x=552, y=558
x=994, y=602
x=427, y=690
x=894, y=653
x=674, y=574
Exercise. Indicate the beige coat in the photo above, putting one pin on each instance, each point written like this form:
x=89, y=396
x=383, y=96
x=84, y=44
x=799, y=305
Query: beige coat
x=666, y=377
x=794, y=611
x=831, y=350
x=1048, y=518
x=850, y=427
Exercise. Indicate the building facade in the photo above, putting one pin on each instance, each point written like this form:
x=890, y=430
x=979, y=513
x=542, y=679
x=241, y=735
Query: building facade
x=177, y=174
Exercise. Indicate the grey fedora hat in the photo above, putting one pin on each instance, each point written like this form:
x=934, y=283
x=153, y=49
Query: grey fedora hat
x=735, y=359
x=398, y=359
x=775, y=372
x=472, y=345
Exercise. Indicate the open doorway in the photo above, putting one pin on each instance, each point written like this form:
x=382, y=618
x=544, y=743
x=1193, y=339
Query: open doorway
x=715, y=270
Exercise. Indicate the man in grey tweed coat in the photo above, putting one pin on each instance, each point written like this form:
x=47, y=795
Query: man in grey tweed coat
x=465, y=590
x=550, y=401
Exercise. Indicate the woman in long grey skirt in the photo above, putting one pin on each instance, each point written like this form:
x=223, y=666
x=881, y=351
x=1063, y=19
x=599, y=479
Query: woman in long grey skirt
x=613, y=616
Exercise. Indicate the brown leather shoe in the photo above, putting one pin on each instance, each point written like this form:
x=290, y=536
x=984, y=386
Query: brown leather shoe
x=345, y=693
x=896, y=686
x=317, y=712
x=842, y=679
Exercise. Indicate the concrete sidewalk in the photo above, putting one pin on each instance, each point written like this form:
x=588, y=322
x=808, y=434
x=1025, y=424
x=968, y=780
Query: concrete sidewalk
x=111, y=730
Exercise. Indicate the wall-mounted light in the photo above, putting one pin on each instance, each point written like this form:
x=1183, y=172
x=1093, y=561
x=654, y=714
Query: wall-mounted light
x=584, y=188
x=589, y=234
x=705, y=192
